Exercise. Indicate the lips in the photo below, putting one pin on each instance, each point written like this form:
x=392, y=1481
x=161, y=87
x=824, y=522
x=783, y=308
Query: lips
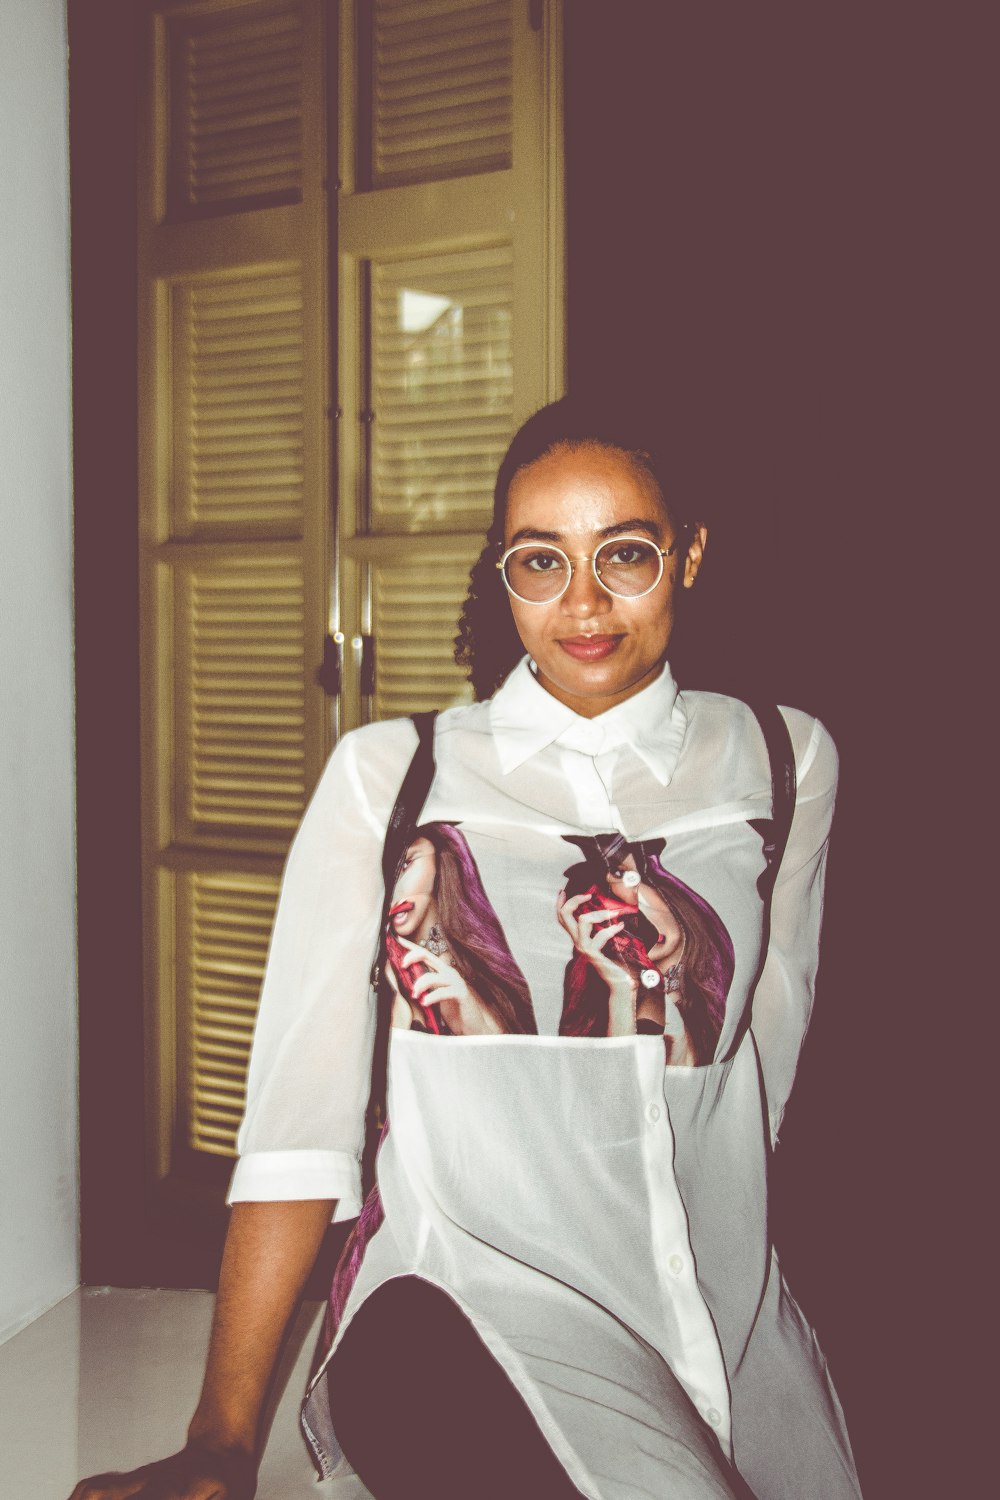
x=399, y=911
x=590, y=647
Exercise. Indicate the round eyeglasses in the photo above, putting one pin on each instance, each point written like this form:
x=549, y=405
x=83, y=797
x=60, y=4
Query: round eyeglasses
x=626, y=566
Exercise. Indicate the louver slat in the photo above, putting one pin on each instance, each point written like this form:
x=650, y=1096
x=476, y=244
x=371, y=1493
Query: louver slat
x=416, y=609
x=241, y=655
x=442, y=388
x=442, y=89
x=228, y=920
x=241, y=395
x=237, y=101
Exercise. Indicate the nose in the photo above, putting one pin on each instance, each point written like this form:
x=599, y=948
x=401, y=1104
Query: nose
x=585, y=596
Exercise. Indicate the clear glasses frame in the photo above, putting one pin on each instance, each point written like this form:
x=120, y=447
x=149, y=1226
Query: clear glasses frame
x=572, y=563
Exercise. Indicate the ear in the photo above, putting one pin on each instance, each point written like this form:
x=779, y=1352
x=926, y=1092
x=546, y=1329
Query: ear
x=697, y=540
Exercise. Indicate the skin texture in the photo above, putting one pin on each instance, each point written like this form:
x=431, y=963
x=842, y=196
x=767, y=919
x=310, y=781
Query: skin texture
x=577, y=498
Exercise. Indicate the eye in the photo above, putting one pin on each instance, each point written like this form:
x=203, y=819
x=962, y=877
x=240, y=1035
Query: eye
x=541, y=562
x=628, y=554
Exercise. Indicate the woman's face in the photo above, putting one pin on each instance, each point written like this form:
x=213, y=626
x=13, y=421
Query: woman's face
x=594, y=650
x=670, y=938
x=413, y=908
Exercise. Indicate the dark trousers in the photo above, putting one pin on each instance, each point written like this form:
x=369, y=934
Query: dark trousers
x=421, y=1407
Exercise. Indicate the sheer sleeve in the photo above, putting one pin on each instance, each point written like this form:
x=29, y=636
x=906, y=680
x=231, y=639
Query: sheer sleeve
x=783, y=1000
x=310, y=1067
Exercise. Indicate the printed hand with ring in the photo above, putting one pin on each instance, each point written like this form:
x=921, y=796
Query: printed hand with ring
x=461, y=1008
x=591, y=931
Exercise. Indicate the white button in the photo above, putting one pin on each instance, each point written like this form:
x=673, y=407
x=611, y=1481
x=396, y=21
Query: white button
x=676, y=1264
x=653, y=1113
x=649, y=978
x=715, y=1417
x=631, y=877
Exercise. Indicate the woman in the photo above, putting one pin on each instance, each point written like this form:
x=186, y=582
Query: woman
x=650, y=955
x=448, y=963
x=573, y=1290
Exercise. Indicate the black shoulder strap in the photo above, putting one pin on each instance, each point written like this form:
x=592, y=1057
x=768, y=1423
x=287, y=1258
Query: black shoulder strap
x=405, y=814
x=403, y=819
x=783, y=788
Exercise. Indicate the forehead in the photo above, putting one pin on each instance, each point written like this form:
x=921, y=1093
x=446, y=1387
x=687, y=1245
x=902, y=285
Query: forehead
x=582, y=489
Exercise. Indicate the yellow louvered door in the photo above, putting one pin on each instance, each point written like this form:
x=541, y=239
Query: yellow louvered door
x=235, y=500
x=451, y=296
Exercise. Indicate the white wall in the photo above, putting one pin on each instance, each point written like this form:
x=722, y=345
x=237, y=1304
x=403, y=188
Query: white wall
x=38, y=1073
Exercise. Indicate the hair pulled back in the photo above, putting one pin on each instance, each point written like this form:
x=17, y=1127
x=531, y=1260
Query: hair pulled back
x=488, y=645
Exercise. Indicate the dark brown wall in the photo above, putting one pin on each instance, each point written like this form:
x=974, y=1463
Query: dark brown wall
x=102, y=124
x=772, y=225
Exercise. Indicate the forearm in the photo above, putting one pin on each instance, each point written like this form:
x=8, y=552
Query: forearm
x=622, y=1006
x=270, y=1250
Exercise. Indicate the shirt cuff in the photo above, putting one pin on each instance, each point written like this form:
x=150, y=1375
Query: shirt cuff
x=285, y=1176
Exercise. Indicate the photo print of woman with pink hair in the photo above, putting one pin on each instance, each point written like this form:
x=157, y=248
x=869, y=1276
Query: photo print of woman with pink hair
x=650, y=954
x=447, y=959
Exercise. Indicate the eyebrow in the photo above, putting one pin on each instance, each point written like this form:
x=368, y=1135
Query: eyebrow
x=620, y=528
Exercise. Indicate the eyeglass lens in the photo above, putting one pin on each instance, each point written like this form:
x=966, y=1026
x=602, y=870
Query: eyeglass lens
x=628, y=568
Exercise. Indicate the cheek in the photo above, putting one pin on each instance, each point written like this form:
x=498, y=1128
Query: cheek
x=528, y=621
x=659, y=912
x=656, y=622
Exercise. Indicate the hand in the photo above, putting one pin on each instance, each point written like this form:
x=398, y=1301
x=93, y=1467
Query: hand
x=197, y=1472
x=442, y=984
x=591, y=931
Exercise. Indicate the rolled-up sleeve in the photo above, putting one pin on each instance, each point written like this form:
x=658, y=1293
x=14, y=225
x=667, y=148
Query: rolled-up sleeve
x=302, y=1135
x=783, y=1001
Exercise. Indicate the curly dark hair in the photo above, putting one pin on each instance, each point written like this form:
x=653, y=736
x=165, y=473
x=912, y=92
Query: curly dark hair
x=488, y=645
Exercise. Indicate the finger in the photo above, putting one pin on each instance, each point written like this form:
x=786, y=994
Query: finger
x=429, y=981
x=188, y=1487
x=599, y=939
x=428, y=1001
x=109, y=1486
x=430, y=988
x=565, y=919
x=592, y=919
x=418, y=955
x=573, y=904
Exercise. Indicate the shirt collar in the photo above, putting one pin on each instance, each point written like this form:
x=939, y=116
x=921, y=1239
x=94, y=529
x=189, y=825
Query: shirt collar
x=525, y=719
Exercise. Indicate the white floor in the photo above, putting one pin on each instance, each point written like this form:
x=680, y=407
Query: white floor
x=108, y=1380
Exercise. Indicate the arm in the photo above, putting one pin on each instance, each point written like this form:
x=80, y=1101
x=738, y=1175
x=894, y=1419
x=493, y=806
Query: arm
x=270, y=1250
x=303, y=1132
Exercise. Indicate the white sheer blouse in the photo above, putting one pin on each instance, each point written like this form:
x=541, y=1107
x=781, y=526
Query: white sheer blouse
x=591, y=1190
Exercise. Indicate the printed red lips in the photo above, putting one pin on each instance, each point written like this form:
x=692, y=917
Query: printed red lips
x=590, y=647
